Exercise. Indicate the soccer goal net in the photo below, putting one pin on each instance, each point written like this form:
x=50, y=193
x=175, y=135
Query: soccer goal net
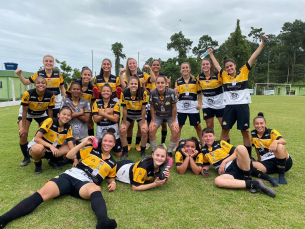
x=272, y=89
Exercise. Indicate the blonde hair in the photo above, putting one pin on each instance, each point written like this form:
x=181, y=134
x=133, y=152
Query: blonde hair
x=48, y=56
x=189, y=67
x=128, y=72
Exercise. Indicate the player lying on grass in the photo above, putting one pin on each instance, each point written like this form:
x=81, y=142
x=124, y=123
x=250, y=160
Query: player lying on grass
x=154, y=168
x=189, y=155
x=270, y=148
x=82, y=181
x=232, y=163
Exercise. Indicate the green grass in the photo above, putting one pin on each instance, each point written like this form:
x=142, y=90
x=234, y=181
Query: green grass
x=185, y=201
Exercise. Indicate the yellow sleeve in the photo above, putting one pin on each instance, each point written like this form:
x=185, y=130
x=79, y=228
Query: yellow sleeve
x=145, y=97
x=25, y=99
x=139, y=175
x=112, y=172
x=123, y=102
x=117, y=109
x=69, y=89
x=275, y=135
x=118, y=82
x=198, y=86
x=199, y=159
x=69, y=133
x=95, y=84
x=95, y=108
x=146, y=76
x=178, y=158
x=46, y=125
x=226, y=146
x=33, y=77
x=84, y=152
x=61, y=79
x=205, y=159
x=52, y=101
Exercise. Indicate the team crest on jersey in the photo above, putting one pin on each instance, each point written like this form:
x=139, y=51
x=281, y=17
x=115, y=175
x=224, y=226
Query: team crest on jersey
x=167, y=103
x=234, y=95
x=204, y=114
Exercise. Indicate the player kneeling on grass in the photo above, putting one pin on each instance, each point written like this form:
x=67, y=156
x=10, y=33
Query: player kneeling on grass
x=50, y=138
x=233, y=164
x=153, y=168
x=163, y=107
x=189, y=155
x=272, y=154
x=82, y=181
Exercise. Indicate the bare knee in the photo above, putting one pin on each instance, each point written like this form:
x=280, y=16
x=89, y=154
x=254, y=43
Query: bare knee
x=219, y=182
x=241, y=150
x=94, y=188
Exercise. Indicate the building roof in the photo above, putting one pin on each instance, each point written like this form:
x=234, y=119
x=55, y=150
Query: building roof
x=11, y=73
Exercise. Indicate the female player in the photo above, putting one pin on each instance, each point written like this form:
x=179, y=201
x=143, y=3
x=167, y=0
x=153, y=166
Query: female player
x=131, y=70
x=211, y=88
x=55, y=82
x=80, y=110
x=106, y=114
x=82, y=181
x=270, y=148
x=163, y=107
x=156, y=66
x=236, y=95
x=49, y=140
x=34, y=104
x=137, y=174
x=105, y=76
x=187, y=88
x=86, y=94
x=133, y=101
x=189, y=155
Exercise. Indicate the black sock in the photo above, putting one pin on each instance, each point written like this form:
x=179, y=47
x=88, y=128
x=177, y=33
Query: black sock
x=138, y=140
x=24, y=150
x=23, y=208
x=228, y=141
x=281, y=167
x=252, y=184
x=129, y=140
x=249, y=148
x=125, y=149
x=91, y=132
x=143, y=149
x=259, y=174
x=98, y=205
x=247, y=175
x=148, y=138
x=164, y=134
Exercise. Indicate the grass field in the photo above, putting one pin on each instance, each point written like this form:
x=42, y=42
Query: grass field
x=185, y=201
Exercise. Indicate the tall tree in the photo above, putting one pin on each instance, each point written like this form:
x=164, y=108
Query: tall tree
x=117, y=49
x=65, y=70
x=205, y=42
x=180, y=44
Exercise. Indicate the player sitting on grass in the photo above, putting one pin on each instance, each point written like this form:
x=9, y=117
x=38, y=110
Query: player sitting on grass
x=232, y=163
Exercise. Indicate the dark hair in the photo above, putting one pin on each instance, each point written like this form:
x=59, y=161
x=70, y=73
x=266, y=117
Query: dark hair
x=111, y=132
x=226, y=60
x=154, y=61
x=107, y=85
x=65, y=108
x=40, y=77
x=102, y=71
x=193, y=139
x=208, y=130
x=161, y=76
x=139, y=86
x=212, y=69
x=260, y=115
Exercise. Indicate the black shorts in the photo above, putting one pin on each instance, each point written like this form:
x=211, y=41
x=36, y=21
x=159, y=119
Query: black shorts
x=271, y=165
x=194, y=119
x=211, y=113
x=235, y=171
x=38, y=120
x=239, y=113
x=68, y=185
x=148, y=116
x=131, y=120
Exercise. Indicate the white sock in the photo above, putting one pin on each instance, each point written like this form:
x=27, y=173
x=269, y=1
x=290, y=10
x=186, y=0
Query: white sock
x=171, y=146
x=153, y=145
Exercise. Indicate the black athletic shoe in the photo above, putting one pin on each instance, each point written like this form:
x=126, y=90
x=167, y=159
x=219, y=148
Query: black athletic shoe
x=263, y=188
x=253, y=190
x=25, y=162
x=54, y=164
x=143, y=155
x=124, y=156
x=38, y=168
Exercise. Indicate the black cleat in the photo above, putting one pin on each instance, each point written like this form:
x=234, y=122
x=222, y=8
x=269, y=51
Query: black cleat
x=263, y=188
x=25, y=162
x=143, y=155
x=54, y=164
x=38, y=168
x=253, y=190
x=124, y=156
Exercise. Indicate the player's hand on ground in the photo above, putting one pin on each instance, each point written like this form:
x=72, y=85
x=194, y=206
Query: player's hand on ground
x=111, y=187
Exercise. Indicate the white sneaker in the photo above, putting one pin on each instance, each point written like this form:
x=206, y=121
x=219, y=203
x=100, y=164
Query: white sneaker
x=147, y=146
x=163, y=144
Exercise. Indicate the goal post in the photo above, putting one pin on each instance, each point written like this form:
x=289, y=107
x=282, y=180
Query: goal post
x=272, y=89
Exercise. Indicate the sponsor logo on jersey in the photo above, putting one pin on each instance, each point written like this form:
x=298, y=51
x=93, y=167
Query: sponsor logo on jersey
x=246, y=124
x=167, y=103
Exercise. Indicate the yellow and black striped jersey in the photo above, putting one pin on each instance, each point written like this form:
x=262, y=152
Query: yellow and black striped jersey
x=37, y=105
x=113, y=82
x=95, y=165
x=262, y=143
x=188, y=90
x=236, y=89
x=141, y=75
x=132, y=103
x=52, y=134
x=53, y=81
x=100, y=105
x=149, y=85
x=215, y=154
x=180, y=157
x=87, y=94
x=142, y=171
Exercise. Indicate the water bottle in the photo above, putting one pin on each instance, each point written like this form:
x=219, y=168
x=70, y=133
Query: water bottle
x=205, y=54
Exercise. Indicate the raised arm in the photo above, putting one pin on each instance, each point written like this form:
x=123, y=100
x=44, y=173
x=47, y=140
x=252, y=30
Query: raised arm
x=123, y=84
x=257, y=52
x=23, y=80
x=215, y=62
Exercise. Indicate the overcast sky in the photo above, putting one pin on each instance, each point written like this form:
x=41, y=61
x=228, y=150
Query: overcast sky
x=69, y=30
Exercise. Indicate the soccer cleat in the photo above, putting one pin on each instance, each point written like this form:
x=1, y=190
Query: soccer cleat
x=54, y=164
x=124, y=156
x=25, y=162
x=118, y=92
x=253, y=190
x=164, y=167
x=163, y=144
x=263, y=188
x=137, y=147
x=147, y=146
x=274, y=182
x=143, y=155
x=129, y=147
x=38, y=168
x=96, y=93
